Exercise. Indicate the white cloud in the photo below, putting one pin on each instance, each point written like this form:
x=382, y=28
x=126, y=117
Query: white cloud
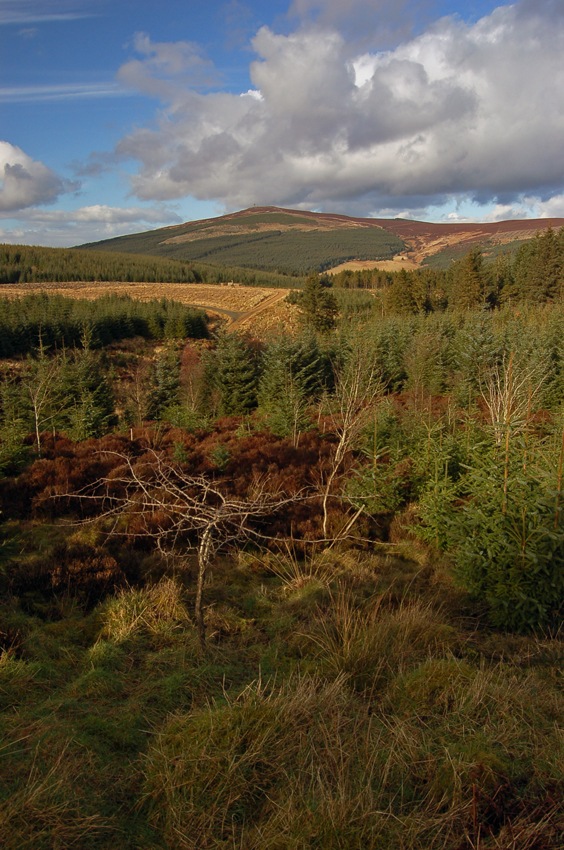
x=59, y=228
x=166, y=68
x=104, y=214
x=378, y=22
x=459, y=110
x=25, y=182
x=552, y=207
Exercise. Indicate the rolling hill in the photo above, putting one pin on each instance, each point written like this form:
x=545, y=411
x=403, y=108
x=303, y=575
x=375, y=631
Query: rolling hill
x=297, y=241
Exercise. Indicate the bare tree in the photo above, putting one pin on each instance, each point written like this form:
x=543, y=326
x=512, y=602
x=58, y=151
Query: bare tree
x=509, y=390
x=41, y=384
x=183, y=512
x=357, y=390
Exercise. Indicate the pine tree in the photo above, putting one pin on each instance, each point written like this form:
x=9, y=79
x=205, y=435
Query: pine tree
x=90, y=401
x=13, y=426
x=291, y=377
x=468, y=282
x=234, y=375
x=539, y=268
x=317, y=304
x=164, y=383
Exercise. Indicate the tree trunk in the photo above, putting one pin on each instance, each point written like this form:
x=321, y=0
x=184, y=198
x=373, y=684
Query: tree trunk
x=204, y=554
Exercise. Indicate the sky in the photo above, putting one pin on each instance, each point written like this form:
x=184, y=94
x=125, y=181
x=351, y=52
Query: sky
x=119, y=116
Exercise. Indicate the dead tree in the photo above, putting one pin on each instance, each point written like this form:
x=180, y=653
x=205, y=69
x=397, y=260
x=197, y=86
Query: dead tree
x=358, y=389
x=182, y=512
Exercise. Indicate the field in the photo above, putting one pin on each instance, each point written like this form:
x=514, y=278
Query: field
x=396, y=264
x=244, y=308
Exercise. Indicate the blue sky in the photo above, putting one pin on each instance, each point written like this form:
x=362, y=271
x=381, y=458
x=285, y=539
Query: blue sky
x=118, y=116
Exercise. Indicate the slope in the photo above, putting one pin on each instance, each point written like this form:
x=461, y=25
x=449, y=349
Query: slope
x=297, y=241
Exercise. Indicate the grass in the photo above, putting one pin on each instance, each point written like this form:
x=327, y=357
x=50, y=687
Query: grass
x=348, y=700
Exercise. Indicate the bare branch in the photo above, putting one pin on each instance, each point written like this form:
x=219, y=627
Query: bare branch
x=358, y=389
x=175, y=507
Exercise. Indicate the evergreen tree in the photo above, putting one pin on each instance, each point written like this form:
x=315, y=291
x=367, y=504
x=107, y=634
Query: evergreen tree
x=89, y=411
x=232, y=371
x=539, y=268
x=164, y=383
x=13, y=425
x=508, y=534
x=398, y=297
x=317, y=304
x=468, y=282
x=293, y=373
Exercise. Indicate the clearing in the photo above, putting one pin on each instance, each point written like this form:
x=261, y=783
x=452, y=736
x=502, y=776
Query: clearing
x=261, y=311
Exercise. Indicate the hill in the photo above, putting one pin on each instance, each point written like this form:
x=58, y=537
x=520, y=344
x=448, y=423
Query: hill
x=286, y=241
x=295, y=241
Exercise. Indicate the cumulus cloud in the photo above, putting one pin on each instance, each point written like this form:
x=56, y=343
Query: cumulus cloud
x=101, y=213
x=379, y=22
x=24, y=182
x=165, y=68
x=471, y=110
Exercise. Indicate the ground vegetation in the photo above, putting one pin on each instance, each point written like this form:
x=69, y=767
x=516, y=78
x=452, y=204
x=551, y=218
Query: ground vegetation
x=295, y=593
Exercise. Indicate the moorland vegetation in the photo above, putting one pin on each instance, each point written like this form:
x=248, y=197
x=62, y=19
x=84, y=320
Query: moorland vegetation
x=302, y=592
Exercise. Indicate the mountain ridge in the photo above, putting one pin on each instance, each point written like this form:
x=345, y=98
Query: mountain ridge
x=272, y=237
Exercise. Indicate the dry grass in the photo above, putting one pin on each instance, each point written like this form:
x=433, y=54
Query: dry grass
x=273, y=768
x=42, y=812
x=157, y=611
x=396, y=264
x=372, y=643
x=248, y=308
x=307, y=764
x=376, y=725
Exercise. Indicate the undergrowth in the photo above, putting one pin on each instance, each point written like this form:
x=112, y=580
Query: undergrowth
x=348, y=699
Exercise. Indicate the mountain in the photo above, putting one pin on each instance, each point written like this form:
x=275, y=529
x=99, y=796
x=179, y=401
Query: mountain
x=296, y=241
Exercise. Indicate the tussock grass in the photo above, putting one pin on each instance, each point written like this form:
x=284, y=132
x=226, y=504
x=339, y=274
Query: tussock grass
x=276, y=766
x=157, y=611
x=481, y=749
x=44, y=813
x=307, y=763
x=371, y=642
x=343, y=702
x=17, y=677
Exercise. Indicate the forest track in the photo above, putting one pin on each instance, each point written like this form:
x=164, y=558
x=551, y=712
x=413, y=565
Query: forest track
x=250, y=317
x=258, y=310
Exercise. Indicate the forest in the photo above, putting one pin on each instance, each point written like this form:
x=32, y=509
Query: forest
x=33, y=264
x=532, y=274
x=298, y=592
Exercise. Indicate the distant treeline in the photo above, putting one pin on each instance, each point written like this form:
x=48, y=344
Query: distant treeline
x=53, y=321
x=533, y=275
x=34, y=264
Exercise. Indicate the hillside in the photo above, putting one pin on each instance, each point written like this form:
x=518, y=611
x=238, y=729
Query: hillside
x=295, y=241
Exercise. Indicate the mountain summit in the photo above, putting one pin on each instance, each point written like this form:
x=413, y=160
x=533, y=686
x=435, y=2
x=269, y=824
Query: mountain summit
x=295, y=241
